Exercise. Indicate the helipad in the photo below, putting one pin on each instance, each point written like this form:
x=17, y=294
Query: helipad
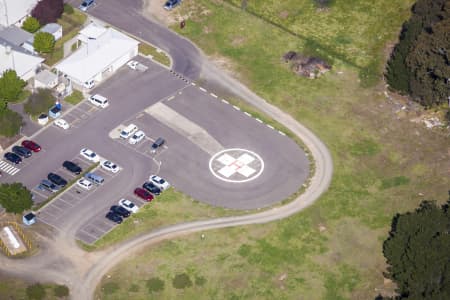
x=236, y=165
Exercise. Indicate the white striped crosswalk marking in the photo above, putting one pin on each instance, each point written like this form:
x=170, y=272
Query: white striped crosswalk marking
x=7, y=168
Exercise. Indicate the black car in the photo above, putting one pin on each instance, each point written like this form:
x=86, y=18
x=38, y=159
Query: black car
x=120, y=211
x=152, y=188
x=56, y=179
x=158, y=143
x=21, y=151
x=72, y=167
x=114, y=217
x=12, y=157
x=170, y=4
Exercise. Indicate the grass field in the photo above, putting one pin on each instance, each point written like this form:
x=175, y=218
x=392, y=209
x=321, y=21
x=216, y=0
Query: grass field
x=383, y=162
x=157, y=55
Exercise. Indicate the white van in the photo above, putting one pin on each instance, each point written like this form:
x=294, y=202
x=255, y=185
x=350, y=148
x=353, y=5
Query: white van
x=128, y=131
x=99, y=100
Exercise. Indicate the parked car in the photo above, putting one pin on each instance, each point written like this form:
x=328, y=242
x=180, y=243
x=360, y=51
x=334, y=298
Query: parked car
x=62, y=123
x=12, y=157
x=132, y=64
x=159, y=182
x=86, y=4
x=137, y=137
x=49, y=186
x=128, y=131
x=110, y=166
x=72, y=167
x=31, y=145
x=128, y=205
x=114, y=217
x=158, y=143
x=84, y=183
x=152, y=188
x=144, y=194
x=171, y=4
x=99, y=100
x=56, y=179
x=120, y=211
x=89, y=155
x=21, y=151
x=94, y=178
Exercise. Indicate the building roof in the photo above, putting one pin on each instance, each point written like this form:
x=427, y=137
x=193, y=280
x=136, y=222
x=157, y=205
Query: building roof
x=16, y=58
x=15, y=35
x=103, y=46
x=11, y=11
x=46, y=77
x=51, y=28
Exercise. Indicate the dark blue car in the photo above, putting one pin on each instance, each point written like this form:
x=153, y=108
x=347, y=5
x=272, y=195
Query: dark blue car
x=12, y=157
x=170, y=4
x=21, y=151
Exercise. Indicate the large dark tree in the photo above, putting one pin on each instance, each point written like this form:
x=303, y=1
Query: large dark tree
x=420, y=61
x=48, y=11
x=418, y=252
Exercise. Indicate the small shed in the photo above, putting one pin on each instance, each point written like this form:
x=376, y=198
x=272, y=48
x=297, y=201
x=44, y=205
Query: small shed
x=29, y=219
x=54, y=29
x=46, y=80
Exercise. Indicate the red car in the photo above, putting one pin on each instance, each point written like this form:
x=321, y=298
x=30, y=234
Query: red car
x=31, y=145
x=144, y=194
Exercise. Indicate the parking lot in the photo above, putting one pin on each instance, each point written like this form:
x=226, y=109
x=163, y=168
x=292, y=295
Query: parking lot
x=213, y=151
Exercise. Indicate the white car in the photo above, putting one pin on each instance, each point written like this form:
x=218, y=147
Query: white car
x=132, y=64
x=84, y=183
x=128, y=205
x=89, y=155
x=62, y=123
x=137, y=137
x=110, y=166
x=159, y=182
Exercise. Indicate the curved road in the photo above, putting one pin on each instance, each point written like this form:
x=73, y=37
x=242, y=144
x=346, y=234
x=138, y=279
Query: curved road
x=65, y=263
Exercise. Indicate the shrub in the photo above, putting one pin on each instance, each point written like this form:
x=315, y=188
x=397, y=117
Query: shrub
x=44, y=42
x=31, y=25
x=181, y=281
x=10, y=122
x=61, y=291
x=36, y=291
x=48, y=11
x=200, y=280
x=15, y=197
x=155, y=285
x=68, y=9
x=39, y=102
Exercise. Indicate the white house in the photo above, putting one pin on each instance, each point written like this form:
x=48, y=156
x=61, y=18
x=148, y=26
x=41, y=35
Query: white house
x=102, y=52
x=15, y=11
x=16, y=58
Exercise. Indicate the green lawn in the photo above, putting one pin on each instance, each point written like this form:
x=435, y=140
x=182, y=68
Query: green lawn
x=157, y=55
x=71, y=23
x=11, y=288
x=383, y=162
x=75, y=98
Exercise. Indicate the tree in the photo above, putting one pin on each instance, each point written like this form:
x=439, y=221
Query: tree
x=10, y=86
x=417, y=252
x=10, y=122
x=44, y=42
x=31, y=25
x=15, y=197
x=48, y=11
x=61, y=291
x=36, y=291
x=39, y=102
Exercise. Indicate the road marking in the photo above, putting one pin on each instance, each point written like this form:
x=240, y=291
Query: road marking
x=236, y=107
x=202, y=89
x=193, y=83
x=214, y=95
x=170, y=98
x=282, y=133
x=270, y=126
x=247, y=114
x=259, y=120
x=8, y=168
x=225, y=101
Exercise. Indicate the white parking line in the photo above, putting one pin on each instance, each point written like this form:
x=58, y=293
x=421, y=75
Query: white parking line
x=236, y=107
x=214, y=95
x=282, y=133
x=259, y=120
x=193, y=83
x=247, y=114
x=202, y=89
x=270, y=126
x=225, y=101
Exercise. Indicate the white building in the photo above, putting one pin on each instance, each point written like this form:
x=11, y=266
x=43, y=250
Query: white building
x=15, y=11
x=102, y=52
x=45, y=80
x=16, y=58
